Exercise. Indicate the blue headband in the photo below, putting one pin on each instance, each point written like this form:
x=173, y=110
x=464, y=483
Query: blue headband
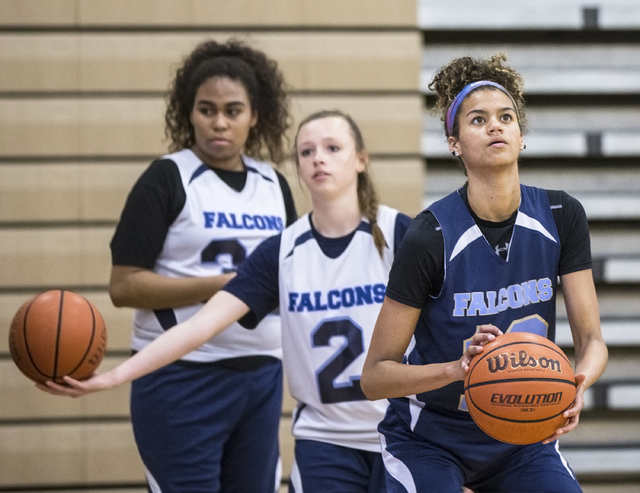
x=457, y=101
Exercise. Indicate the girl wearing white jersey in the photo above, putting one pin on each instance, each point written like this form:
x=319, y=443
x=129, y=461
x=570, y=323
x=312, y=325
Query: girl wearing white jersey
x=327, y=273
x=190, y=220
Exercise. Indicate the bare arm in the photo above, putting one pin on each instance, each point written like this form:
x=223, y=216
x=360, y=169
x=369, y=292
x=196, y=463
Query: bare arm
x=384, y=375
x=591, y=351
x=584, y=318
x=142, y=288
x=219, y=312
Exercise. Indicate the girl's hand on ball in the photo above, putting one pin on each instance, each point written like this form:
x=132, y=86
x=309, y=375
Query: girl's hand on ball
x=572, y=414
x=78, y=388
x=484, y=335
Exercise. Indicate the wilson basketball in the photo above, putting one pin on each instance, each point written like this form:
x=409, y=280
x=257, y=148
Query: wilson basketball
x=57, y=333
x=518, y=387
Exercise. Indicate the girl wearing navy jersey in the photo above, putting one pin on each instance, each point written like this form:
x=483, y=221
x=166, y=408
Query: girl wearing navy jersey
x=457, y=283
x=190, y=220
x=327, y=274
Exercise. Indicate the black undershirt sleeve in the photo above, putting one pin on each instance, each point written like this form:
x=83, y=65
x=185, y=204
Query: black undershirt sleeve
x=417, y=269
x=290, y=206
x=153, y=204
x=573, y=229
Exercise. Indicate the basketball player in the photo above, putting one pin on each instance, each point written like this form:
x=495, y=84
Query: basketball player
x=327, y=274
x=457, y=283
x=189, y=221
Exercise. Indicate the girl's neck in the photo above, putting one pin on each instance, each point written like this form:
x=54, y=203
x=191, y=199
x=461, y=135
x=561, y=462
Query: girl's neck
x=494, y=197
x=233, y=163
x=336, y=218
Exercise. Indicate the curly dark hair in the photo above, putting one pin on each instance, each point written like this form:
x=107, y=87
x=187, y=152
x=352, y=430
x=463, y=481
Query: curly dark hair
x=453, y=77
x=260, y=77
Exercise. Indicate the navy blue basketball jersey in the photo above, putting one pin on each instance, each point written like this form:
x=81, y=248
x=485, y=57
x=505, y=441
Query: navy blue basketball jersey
x=515, y=294
x=217, y=228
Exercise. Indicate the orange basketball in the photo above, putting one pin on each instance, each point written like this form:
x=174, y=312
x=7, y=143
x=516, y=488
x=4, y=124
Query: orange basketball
x=57, y=333
x=518, y=387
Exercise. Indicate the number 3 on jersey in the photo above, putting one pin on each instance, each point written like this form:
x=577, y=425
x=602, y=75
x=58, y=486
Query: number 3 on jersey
x=228, y=254
x=330, y=390
x=533, y=323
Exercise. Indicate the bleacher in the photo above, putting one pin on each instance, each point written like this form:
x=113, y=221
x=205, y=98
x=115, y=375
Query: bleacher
x=581, y=67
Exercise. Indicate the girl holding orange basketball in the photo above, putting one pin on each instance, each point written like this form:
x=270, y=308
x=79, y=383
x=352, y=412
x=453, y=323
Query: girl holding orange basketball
x=457, y=283
x=189, y=222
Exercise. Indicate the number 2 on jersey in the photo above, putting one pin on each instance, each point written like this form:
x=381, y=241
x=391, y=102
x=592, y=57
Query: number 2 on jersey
x=326, y=376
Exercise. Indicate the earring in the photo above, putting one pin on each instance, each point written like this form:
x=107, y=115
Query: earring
x=523, y=147
x=455, y=153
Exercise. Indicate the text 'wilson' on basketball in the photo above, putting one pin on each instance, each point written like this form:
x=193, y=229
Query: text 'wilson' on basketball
x=504, y=361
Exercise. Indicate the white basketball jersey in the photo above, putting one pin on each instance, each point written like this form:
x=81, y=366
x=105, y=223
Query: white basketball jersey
x=215, y=231
x=329, y=308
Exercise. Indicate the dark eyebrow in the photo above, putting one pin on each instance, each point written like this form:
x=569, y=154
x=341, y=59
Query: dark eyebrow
x=211, y=103
x=483, y=112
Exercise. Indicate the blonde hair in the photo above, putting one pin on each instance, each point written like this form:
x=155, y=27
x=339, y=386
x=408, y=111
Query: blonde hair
x=367, y=194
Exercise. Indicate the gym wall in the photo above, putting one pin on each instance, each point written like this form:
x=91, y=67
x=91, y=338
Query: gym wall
x=81, y=116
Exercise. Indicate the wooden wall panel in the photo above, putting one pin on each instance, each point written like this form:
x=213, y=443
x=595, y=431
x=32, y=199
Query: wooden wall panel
x=81, y=116
x=87, y=191
x=39, y=62
x=55, y=257
x=310, y=61
x=307, y=12
x=248, y=13
x=389, y=124
x=68, y=453
x=28, y=402
x=400, y=183
x=34, y=127
x=37, y=12
x=76, y=127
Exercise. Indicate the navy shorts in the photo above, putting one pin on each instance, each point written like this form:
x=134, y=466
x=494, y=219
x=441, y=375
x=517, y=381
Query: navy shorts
x=414, y=464
x=322, y=468
x=204, y=429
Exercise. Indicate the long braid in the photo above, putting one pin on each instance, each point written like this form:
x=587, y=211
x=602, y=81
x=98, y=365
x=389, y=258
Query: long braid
x=368, y=202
